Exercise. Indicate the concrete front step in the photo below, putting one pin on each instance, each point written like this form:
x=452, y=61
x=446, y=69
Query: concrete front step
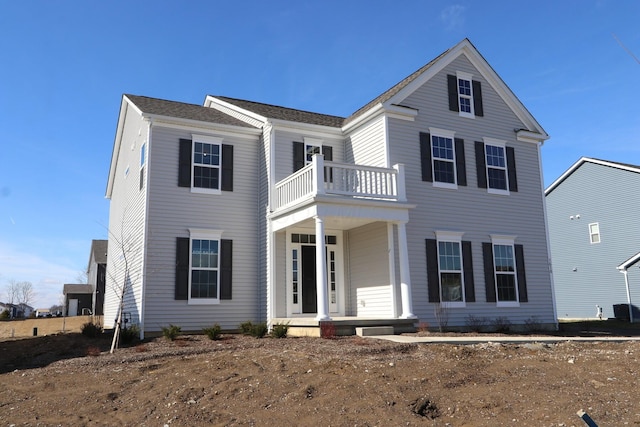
x=374, y=330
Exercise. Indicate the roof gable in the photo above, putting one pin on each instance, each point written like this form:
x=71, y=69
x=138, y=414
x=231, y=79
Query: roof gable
x=409, y=85
x=606, y=163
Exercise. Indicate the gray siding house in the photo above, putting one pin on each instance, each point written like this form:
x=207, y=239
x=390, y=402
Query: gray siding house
x=425, y=205
x=594, y=228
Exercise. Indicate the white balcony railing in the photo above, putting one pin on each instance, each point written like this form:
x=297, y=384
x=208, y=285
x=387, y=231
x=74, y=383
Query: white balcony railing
x=356, y=181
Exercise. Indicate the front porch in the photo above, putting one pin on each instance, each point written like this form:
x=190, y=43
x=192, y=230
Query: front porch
x=338, y=249
x=341, y=326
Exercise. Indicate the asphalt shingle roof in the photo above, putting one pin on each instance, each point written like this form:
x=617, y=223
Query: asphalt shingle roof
x=183, y=110
x=284, y=113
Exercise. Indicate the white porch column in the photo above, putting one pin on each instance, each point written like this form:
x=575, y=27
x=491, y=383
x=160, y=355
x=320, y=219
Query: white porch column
x=405, y=280
x=321, y=271
x=318, y=173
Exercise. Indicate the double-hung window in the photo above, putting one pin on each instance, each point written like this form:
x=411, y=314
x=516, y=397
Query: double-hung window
x=594, y=233
x=465, y=94
x=450, y=268
x=311, y=147
x=207, y=161
x=143, y=162
x=505, y=276
x=443, y=155
x=204, y=267
x=496, y=162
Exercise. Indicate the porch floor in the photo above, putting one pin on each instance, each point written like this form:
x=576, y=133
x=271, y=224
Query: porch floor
x=341, y=326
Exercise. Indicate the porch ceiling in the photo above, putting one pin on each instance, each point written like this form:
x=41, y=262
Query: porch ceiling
x=340, y=214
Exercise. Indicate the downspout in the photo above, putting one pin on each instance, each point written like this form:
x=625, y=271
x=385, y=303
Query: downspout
x=546, y=230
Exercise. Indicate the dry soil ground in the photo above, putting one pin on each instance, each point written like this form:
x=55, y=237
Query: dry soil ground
x=72, y=380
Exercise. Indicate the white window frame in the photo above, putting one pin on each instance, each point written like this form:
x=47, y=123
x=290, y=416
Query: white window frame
x=501, y=144
x=211, y=140
x=448, y=134
x=453, y=237
x=311, y=147
x=594, y=233
x=461, y=75
x=202, y=234
x=501, y=240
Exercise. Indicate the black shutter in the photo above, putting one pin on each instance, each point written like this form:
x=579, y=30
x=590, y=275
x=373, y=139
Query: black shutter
x=461, y=168
x=522, y=279
x=433, y=278
x=182, y=268
x=226, y=264
x=511, y=169
x=327, y=152
x=477, y=99
x=489, y=272
x=227, y=168
x=481, y=167
x=184, y=163
x=452, y=85
x=425, y=156
x=298, y=155
x=467, y=266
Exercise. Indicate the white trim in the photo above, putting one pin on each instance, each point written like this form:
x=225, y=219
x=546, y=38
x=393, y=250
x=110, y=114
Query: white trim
x=503, y=239
x=592, y=234
x=208, y=139
x=447, y=134
x=502, y=144
x=449, y=236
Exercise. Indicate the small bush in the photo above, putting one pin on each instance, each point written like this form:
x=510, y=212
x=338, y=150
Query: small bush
x=259, y=330
x=327, y=330
x=280, y=330
x=476, y=323
x=246, y=328
x=501, y=324
x=5, y=315
x=171, y=332
x=91, y=329
x=130, y=334
x=423, y=327
x=213, y=332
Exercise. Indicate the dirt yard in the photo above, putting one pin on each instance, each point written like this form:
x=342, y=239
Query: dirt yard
x=72, y=380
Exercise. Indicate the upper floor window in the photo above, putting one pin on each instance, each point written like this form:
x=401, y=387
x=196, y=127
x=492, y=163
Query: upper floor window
x=594, y=233
x=465, y=95
x=143, y=161
x=205, y=164
x=496, y=166
x=442, y=158
x=311, y=147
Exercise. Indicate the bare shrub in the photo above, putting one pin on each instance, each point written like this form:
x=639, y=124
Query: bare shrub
x=476, y=323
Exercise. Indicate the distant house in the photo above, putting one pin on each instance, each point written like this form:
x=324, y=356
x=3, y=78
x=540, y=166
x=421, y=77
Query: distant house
x=425, y=203
x=16, y=311
x=594, y=228
x=96, y=274
x=78, y=300
x=43, y=312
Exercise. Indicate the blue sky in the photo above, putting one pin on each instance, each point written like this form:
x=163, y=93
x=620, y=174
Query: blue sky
x=66, y=64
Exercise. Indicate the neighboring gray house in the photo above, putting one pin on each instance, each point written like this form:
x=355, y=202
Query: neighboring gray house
x=594, y=228
x=425, y=203
x=77, y=300
x=96, y=274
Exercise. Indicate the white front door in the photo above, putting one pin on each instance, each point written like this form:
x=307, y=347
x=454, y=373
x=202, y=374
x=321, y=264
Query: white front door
x=301, y=273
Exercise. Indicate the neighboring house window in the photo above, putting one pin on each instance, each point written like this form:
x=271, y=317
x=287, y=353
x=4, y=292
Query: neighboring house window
x=143, y=162
x=594, y=233
x=205, y=165
x=203, y=267
x=496, y=166
x=442, y=157
x=465, y=95
x=450, y=269
x=504, y=272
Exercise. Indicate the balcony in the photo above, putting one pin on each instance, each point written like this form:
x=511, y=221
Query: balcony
x=321, y=178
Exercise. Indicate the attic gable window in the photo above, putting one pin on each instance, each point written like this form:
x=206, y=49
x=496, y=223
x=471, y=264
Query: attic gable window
x=465, y=95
